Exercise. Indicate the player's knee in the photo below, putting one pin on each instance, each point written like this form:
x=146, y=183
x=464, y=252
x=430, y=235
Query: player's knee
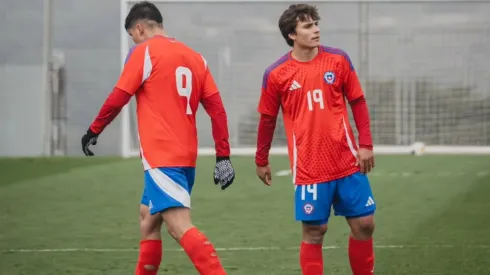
x=149, y=230
x=178, y=221
x=150, y=225
x=314, y=233
x=362, y=228
x=177, y=230
x=366, y=230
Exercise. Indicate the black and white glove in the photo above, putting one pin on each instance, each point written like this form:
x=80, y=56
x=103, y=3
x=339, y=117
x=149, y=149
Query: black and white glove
x=224, y=174
x=90, y=138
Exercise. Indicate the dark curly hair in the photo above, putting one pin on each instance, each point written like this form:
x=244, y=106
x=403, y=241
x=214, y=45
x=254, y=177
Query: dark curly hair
x=294, y=14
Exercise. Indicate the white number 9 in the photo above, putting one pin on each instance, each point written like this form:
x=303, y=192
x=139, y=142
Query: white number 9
x=184, y=89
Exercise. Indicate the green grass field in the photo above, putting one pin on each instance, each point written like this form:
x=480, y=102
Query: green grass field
x=80, y=216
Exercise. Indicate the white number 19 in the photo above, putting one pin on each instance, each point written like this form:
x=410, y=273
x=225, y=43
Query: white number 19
x=184, y=89
x=316, y=96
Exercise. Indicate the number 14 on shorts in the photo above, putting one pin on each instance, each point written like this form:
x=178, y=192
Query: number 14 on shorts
x=308, y=205
x=310, y=189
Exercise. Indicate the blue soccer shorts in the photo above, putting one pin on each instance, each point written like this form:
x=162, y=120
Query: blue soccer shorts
x=350, y=197
x=168, y=187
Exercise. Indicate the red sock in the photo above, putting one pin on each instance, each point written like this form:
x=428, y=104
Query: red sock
x=311, y=259
x=201, y=252
x=149, y=258
x=361, y=256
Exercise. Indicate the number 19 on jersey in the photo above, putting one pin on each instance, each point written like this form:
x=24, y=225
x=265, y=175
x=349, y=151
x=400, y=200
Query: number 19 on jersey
x=315, y=98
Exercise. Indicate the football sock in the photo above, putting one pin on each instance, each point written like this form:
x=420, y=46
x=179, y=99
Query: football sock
x=201, y=252
x=311, y=259
x=149, y=258
x=361, y=256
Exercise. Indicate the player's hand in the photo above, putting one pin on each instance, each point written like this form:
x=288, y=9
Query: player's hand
x=224, y=174
x=265, y=174
x=90, y=138
x=365, y=159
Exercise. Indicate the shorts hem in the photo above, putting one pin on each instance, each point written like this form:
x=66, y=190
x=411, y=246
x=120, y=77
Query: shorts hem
x=314, y=222
x=156, y=209
x=353, y=216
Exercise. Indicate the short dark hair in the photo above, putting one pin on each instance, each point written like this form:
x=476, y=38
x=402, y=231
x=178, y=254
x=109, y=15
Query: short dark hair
x=294, y=14
x=143, y=10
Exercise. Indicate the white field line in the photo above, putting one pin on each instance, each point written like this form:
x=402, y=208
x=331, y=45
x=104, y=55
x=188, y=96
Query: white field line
x=258, y=248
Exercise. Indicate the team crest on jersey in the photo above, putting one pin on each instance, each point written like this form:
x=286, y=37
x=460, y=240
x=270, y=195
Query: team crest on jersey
x=329, y=77
x=308, y=208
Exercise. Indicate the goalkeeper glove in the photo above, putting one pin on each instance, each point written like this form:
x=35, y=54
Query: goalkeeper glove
x=90, y=138
x=224, y=174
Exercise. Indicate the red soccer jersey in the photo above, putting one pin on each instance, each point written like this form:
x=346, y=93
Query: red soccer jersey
x=312, y=96
x=169, y=81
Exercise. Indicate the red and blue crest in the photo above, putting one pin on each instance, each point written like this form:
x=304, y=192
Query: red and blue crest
x=329, y=77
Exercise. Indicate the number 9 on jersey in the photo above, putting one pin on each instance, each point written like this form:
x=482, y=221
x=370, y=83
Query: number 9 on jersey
x=184, y=85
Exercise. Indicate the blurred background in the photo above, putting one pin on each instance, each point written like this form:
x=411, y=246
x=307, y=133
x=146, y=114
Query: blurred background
x=423, y=65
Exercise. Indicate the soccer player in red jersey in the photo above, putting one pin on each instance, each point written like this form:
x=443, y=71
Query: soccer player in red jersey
x=312, y=84
x=169, y=80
